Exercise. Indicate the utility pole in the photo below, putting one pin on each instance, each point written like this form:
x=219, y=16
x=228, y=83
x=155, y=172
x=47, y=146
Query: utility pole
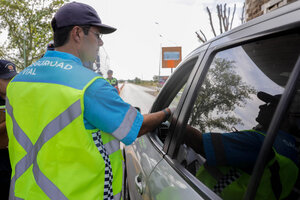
x=160, y=52
x=98, y=63
x=159, y=65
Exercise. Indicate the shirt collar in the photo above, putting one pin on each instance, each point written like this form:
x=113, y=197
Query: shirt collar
x=63, y=55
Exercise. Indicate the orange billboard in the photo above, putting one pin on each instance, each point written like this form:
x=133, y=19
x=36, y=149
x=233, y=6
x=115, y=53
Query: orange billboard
x=171, y=57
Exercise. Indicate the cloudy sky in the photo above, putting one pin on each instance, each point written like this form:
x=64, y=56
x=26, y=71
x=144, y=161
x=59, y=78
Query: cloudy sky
x=134, y=49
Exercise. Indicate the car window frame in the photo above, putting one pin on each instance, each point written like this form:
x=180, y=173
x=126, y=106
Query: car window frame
x=158, y=105
x=266, y=148
x=278, y=23
x=183, y=116
x=200, y=76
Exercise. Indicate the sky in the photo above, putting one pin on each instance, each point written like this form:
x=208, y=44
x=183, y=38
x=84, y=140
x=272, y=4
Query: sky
x=134, y=49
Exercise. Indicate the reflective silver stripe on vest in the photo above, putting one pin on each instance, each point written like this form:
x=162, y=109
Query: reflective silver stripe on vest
x=54, y=127
x=126, y=124
x=17, y=198
x=112, y=146
x=19, y=134
x=117, y=196
x=123, y=178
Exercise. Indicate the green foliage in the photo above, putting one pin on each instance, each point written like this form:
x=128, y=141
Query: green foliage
x=28, y=24
x=222, y=91
x=137, y=80
x=155, y=78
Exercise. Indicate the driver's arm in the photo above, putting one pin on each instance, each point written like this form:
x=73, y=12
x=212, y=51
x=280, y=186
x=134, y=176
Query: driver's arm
x=152, y=121
x=193, y=138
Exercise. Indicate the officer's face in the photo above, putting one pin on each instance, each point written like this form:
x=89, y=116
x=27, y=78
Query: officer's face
x=266, y=112
x=3, y=86
x=90, y=45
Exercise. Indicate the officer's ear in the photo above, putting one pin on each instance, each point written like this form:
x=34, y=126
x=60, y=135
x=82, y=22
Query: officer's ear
x=76, y=34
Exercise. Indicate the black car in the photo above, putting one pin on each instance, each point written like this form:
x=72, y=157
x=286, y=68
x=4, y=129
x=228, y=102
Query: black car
x=223, y=87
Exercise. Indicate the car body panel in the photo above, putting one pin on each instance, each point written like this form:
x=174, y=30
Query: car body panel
x=141, y=159
x=164, y=184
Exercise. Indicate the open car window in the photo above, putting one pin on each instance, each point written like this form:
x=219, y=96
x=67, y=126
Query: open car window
x=171, y=95
x=231, y=115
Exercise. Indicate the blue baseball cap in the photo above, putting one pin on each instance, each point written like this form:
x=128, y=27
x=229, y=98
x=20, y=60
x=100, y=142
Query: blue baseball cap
x=74, y=13
x=7, y=69
x=268, y=98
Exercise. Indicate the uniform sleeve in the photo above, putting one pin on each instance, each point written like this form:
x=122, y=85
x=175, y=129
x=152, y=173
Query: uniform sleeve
x=237, y=149
x=105, y=110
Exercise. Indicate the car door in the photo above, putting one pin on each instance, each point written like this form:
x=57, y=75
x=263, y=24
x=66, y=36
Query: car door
x=147, y=151
x=165, y=181
x=224, y=98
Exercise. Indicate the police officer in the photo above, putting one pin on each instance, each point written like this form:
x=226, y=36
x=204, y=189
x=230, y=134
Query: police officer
x=69, y=120
x=7, y=72
x=50, y=46
x=113, y=81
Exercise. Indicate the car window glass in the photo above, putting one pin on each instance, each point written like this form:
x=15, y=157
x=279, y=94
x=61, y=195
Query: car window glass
x=176, y=99
x=163, y=130
x=233, y=110
x=173, y=90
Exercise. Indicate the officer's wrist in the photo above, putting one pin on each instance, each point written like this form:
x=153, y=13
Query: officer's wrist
x=167, y=113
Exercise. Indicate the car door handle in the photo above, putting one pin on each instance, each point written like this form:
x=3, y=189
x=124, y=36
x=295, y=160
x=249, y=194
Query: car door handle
x=139, y=183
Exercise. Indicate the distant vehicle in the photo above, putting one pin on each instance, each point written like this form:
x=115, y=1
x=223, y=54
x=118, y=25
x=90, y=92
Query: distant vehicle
x=214, y=90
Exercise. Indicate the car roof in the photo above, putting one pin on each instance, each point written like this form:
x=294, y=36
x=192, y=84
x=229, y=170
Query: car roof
x=251, y=27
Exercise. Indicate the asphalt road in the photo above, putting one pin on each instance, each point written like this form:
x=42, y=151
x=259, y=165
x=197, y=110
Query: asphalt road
x=138, y=96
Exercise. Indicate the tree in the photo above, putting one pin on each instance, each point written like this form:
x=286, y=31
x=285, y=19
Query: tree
x=222, y=91
x=137, y=80
x=155, y=78
x=225, y=20
x=29, y=29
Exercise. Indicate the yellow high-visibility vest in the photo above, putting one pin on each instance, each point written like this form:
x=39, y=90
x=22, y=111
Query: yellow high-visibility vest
x=52, y=154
